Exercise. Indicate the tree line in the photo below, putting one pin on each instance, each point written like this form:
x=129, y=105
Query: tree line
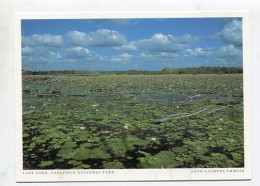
x=188, y=70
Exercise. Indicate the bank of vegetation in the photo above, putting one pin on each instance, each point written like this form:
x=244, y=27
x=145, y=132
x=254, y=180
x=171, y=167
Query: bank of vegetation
x=188, y=70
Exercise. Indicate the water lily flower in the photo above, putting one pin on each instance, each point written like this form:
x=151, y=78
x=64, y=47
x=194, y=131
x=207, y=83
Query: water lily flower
x=153, y=139
x=82, y=128
x=96, y=110
x=126, y=126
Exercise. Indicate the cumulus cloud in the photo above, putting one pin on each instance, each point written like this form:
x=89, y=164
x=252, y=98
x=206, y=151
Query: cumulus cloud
x=161, y=43
x=226, y=54
x=122, y=58
x=126, y=57
x=47, y=57
x=168, y=55
x=187, y=39
x=229, y=52
x=130, y=47
x=158, y=57
x=77, y=52
x=54, y=55
x=230, y=56
x=232, y=33
x=77, y=38
x=26, y=51
x=45, y=40
x=35, y=59
x=100, y=38
x=44, y=53
x=199, y=52
x=41, y=48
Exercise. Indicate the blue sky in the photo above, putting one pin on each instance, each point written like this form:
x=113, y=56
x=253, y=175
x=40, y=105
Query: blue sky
x=126, y=44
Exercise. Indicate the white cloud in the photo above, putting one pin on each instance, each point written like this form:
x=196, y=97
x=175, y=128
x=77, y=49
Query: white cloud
x=126, y=57
x=46, y=57
x=168, y=55
x=159, y=57
x=105, y=37
x=45, y=40
x=232, y=33
x=199, y=52
x=130, y=47
x=226, y=54
x=187, y=39
x=122, y=58
x=54, y=55
x=230, y=52
x=35, y=59
x=161, y=43
x=101, y=38
x=165, y=43
x=77, y=38
x=148, y=56
x=26, y=51
x=77, y=52
x=115, y=59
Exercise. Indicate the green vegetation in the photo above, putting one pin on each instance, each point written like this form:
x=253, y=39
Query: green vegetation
x=189, y=70
x=133, y=121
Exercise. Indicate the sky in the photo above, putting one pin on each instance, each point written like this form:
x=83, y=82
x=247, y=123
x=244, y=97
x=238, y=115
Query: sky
x=130, y=44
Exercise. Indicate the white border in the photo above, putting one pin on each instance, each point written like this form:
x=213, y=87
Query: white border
x=132, y=174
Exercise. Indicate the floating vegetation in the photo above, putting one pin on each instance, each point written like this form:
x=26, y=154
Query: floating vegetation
x=137, y=121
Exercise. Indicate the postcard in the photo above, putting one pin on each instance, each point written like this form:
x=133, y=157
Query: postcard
x=132, y=96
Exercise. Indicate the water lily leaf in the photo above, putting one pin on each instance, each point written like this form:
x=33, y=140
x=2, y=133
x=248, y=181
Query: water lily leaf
x=144, y=153
x=85, y=145
x=113, y=165
x=179, y=149
x=82, y=137
x=82, y=154
x=163, y=159
x=67, y=153
x=69, y=145
x=83, y=166
x=99, y=154
x=44, y=164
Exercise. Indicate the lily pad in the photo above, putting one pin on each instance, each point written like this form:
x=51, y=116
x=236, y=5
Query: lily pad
x=82, y=154
x=164, y=159
x=113, y=165
x=44, y=164
x=179, y=149
x=85, y=145
x=66, y=153
x=69, y=145
x=99, y=154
